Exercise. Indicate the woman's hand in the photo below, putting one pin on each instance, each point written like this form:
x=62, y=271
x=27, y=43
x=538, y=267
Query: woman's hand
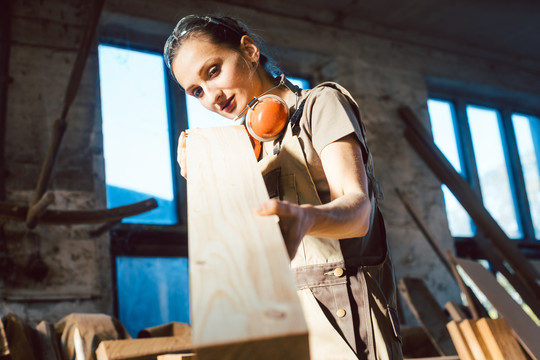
x=294, y=221
x=181, y=154
x=345, y=216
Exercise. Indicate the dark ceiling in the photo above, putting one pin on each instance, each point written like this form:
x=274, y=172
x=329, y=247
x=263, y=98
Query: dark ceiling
x=508, y=29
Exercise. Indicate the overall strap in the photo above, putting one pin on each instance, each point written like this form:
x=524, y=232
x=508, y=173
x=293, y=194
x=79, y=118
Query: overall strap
x=374, y=186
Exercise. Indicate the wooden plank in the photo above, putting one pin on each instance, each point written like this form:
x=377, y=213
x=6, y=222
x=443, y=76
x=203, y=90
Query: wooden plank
x=142, y=349
x=428, y=312
x=474, y=340
x=525, y=329
x=499, y=340
x=243, y=294
x=191, y=356
x=459, y=341
x=455, y=311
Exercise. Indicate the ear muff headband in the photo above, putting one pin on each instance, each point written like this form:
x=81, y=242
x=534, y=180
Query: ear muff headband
x=266, y=117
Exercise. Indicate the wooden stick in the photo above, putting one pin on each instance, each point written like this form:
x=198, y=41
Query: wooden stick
x=71, y=91
x=419, y=138
x=36, y=211
x=63, y=217
x=456, y=313
x=424, y=229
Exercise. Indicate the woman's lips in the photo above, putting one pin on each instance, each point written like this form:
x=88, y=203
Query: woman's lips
x=228, y=105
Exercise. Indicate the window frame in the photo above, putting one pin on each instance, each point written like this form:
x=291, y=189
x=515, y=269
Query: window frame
x=506, y=104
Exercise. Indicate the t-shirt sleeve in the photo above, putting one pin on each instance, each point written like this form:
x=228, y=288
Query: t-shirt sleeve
x=332, y=118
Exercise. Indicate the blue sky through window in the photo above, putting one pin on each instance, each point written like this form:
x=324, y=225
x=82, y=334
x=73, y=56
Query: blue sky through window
x=136, y=131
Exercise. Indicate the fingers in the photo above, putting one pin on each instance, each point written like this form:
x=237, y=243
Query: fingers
x=181, y=154
x=270, y=207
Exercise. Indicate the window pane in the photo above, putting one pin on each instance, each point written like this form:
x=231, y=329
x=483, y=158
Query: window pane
x=444, y=136
x=152, y=291
x=199, y=117
x=136, y=132
x=527, y=129
x=492, y=169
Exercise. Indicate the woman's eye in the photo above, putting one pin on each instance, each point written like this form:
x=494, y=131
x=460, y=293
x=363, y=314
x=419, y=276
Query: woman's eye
x=197, y=92
x=213, y=71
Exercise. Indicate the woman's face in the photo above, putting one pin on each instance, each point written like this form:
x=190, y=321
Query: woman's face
x=222, y=79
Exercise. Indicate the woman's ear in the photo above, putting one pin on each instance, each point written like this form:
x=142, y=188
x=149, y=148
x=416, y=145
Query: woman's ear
x=249, y=48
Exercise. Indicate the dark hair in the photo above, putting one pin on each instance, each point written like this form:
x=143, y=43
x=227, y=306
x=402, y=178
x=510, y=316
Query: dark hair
x=220, y=30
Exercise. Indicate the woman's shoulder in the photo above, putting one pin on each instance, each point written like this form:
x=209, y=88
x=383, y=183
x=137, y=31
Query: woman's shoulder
x=328, y=93
x=328, y=90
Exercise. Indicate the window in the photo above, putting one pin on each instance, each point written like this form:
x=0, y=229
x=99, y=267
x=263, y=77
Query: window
x=497, y=151
x=136, y=140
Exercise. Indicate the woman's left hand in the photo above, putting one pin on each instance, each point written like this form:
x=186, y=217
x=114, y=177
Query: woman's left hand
x=294, y=221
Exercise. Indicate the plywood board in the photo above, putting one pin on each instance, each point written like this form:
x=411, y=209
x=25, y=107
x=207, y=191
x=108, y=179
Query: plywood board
x=525, y=329
x=241, y=287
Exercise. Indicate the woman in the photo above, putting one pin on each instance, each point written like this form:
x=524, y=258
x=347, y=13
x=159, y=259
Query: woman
x=319, y=174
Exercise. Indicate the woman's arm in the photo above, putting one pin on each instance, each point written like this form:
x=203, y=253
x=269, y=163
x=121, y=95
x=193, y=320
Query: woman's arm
x=346, y=215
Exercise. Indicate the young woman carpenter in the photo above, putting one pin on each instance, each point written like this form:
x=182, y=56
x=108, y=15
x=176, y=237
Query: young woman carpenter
x=328, y=214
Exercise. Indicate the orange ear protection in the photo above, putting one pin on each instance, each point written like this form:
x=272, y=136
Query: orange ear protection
x=266, y=117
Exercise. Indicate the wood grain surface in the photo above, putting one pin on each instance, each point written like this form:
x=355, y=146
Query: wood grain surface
x=241, y=285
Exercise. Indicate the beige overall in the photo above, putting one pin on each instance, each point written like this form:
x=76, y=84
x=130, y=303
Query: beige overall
x=349, y=310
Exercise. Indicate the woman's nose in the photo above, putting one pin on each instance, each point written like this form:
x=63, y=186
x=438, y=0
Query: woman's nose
x=214, y=98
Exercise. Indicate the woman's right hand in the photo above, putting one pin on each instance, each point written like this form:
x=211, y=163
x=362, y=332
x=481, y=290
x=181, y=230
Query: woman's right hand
x=181, y=154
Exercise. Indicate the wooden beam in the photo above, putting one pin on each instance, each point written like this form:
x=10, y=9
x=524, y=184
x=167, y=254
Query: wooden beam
x=428, y=313
x=525, y=329
x=65, y=217
x=243, y=295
